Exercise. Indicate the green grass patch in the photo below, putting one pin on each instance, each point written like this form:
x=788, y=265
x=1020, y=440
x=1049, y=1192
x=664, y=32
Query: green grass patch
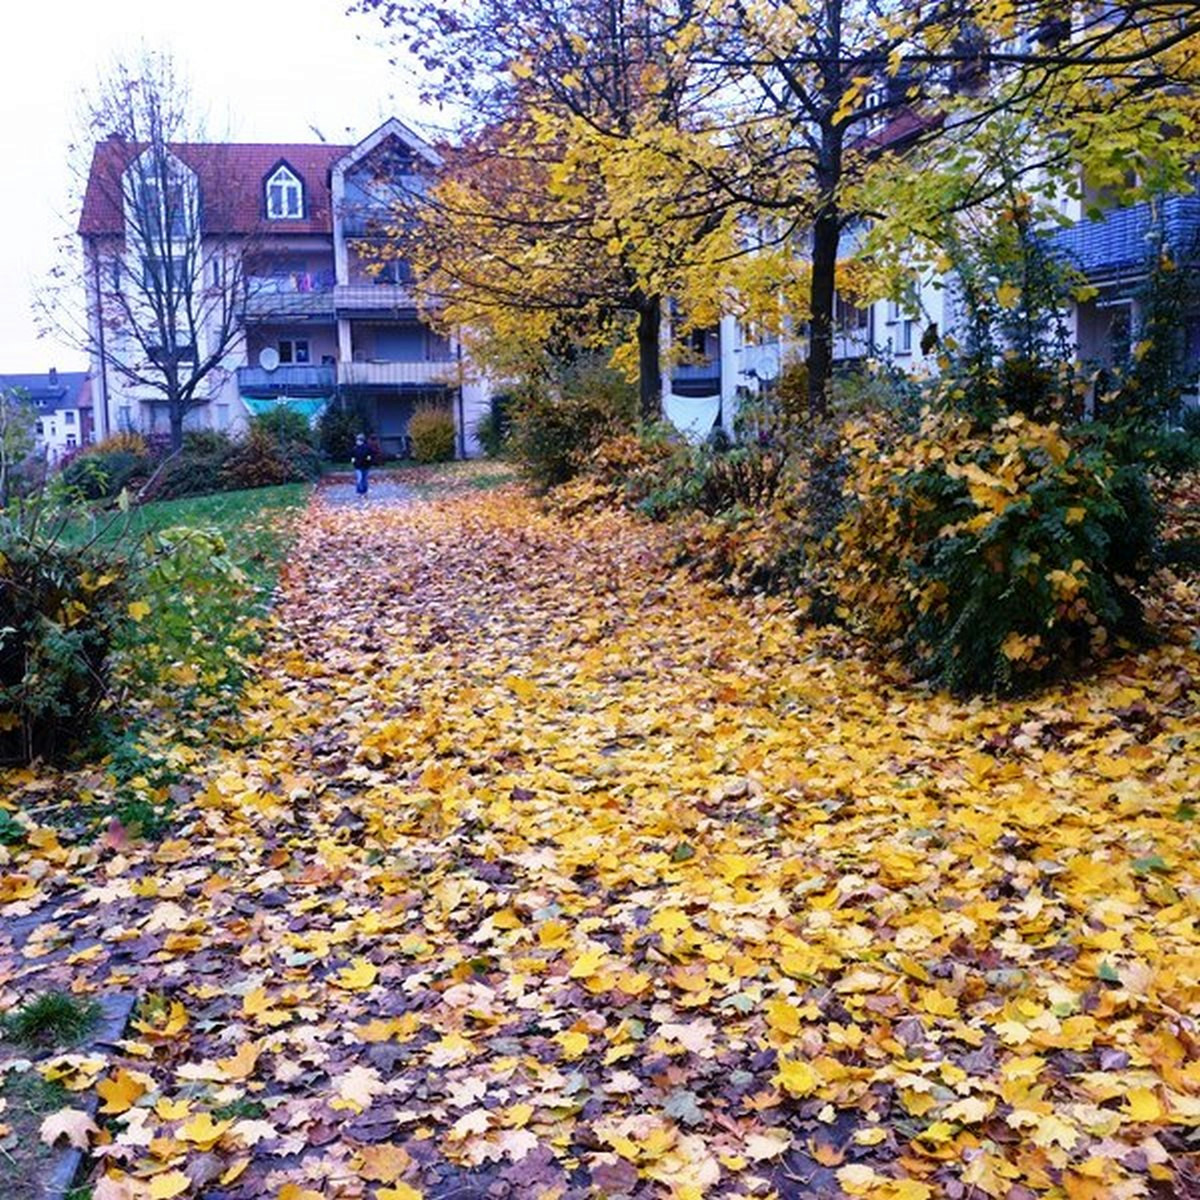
x=51, y=1020
x=206, y=569
x=24, y=1157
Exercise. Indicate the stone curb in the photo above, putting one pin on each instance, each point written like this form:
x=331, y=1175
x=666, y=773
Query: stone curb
x=64, y=1168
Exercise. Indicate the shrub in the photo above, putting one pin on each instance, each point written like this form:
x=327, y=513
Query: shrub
x=199, y=467
x=104, y=470
x=263, y=459
x=338, y=428
x=491, y=430
x=432, y=433
x=287, y=425
x=991, y=559
x=61, y=605
x=556, y=429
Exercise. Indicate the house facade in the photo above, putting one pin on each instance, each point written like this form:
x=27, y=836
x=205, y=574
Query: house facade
x=62, y=409
x=1110, y=250
x=320, y=320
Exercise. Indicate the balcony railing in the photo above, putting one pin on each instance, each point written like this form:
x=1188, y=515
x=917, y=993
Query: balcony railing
x=292, y=378
x=397, y=374
x=373, y=297
x=297, y=293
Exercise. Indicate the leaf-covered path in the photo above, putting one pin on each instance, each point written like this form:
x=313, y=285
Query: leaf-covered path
x=543, y=871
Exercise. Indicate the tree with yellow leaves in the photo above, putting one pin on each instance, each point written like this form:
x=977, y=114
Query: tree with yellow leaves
x=563, y=198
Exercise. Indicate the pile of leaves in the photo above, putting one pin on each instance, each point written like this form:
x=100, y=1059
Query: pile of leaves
x=541, y=869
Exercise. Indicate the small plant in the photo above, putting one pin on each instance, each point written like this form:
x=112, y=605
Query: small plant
x=50, y=1020
x=431, y=430
x=12, y=832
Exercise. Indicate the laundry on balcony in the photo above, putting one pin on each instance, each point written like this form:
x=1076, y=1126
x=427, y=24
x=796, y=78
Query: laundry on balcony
x=693, y=416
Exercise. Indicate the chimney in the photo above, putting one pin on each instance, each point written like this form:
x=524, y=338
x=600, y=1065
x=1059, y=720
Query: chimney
x=54, y=377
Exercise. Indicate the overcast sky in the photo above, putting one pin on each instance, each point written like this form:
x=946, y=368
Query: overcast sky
x=263, y=71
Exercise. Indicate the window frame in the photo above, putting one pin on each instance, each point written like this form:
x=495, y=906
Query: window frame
x=288, y=357
x=288, y=183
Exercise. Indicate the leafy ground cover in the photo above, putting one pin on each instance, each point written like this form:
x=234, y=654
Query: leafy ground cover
x=539, y=869
x=206, y=577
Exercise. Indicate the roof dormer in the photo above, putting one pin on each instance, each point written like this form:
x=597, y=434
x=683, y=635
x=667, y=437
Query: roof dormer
x=283, y=194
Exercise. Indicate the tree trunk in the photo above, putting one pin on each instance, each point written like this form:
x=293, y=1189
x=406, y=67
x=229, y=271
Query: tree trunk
x=649, y=360
x=176, y=427
x=821, y=302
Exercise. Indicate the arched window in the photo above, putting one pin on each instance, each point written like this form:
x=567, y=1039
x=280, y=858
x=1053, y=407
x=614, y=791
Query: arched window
x=285, y=195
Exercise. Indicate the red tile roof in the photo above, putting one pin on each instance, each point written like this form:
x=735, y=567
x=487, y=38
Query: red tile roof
x=231, y=177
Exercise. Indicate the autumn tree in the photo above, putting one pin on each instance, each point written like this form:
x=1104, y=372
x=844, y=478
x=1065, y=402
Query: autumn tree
x=166, y=293
x=558, y=199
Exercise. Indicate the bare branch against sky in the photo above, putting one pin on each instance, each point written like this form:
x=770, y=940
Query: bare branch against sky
x=261, y=72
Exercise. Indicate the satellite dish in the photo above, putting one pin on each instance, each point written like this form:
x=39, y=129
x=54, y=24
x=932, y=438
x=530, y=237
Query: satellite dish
x=268, y=358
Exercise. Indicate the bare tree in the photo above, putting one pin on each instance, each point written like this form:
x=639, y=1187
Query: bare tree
x=163, y=259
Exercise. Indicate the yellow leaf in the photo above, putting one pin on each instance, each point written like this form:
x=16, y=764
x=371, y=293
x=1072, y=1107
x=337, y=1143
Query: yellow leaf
x=169, y=1184
x=384, y=1163
x=402, y=1191
x=120, y=1092
x=1141, y=1104
x=796, y=1077
x=357, y=977
x=139, y=610
x=573, y=1044
x=203, y=1131
x=783, y=1017
x=243, y=1062
x=1008, y=295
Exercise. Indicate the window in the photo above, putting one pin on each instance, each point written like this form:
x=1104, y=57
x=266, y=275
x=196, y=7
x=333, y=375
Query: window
x=285, y=195
x=902, y=317
x=69, y=416
x=222, y=416
x=71, y=442
x=159, y=275
x=215, y=273
x=125, y=419
x=161, y=206
x=40, y=429
x=294, y=350
x=394, y=271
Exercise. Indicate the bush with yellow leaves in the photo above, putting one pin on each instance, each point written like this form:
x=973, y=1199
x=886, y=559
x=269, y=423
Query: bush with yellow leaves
x=991, y=559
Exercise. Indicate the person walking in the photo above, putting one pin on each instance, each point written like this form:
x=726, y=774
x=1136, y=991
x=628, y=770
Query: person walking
x=362, y=461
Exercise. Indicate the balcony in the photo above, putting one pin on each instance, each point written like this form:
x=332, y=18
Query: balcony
x=443, y=372
x=292, y=380
x=697, y=379
x=295, y=294
x=351, y=299
x=1123, y=239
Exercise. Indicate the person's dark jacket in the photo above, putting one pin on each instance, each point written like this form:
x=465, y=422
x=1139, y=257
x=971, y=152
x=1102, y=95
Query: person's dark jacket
x=360, y=456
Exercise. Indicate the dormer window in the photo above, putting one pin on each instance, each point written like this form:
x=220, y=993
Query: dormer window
x=285, y=195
